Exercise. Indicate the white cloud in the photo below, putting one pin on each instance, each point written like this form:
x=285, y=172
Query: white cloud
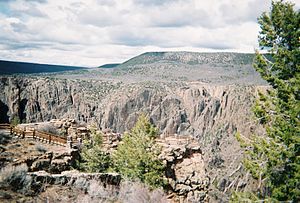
x=93, y=32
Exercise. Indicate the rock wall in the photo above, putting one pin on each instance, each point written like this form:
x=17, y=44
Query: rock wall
x=70, y=178
x=185, y=169
x=184, y=108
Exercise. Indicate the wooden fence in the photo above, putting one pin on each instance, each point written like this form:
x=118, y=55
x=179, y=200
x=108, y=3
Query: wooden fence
x=5, y=126
x=42, y=136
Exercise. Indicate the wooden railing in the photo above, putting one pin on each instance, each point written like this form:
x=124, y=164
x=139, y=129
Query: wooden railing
x=51, y=138
x=42, y=136
x=4, y=126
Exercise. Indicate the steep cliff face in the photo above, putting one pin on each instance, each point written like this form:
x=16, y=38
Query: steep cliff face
x=41, y=99
x=186, y=108
x=192, y=109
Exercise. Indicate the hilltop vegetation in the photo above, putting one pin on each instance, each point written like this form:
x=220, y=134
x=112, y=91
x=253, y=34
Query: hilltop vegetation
x=191, y=58
x=213, y=68
x=208, y=68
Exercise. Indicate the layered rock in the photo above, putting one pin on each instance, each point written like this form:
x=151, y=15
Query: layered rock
x=184, y=108
x=185, y=169
x=53, y=162
x=71, y=178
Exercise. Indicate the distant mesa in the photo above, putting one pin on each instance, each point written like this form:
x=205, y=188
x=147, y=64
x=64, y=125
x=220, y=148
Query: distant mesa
x=204, y=67
x=189, y=58
x=13, y=67
x=109, y=65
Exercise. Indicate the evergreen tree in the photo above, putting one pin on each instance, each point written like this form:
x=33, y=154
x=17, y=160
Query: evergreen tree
x=15, y=121
x=136, y=157
x=274, y=159
x=94, y=159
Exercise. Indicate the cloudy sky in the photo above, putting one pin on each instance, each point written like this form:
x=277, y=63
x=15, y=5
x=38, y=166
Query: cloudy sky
x=94, y=32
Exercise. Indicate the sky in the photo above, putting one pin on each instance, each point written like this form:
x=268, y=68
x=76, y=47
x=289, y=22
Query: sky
x=95, y=32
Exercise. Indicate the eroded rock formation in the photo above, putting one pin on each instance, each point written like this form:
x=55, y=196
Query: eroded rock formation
x=185, y=108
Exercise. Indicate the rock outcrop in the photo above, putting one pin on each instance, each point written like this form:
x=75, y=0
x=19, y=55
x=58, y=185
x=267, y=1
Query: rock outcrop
x=186, y=108
x=36, y=155
x=185, y=169
x=52, y=162
x=72, y=178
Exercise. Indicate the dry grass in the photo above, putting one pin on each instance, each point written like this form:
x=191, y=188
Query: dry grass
x=48, y=128
x=93, y=191
x=40, y=148
x=134, y=192
x=15, y=178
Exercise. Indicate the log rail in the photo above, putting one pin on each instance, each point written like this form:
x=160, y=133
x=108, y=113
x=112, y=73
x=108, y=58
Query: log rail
x=35, y=134
x=5, y=126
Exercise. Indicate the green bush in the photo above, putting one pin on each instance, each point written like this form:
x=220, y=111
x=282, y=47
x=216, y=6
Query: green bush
x=15, y=121
x=94, y=159
x=136, y=157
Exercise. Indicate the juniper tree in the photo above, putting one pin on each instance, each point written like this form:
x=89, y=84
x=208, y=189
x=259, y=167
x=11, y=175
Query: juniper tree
x=94, y=159
x=136, y=157
x=274, y=159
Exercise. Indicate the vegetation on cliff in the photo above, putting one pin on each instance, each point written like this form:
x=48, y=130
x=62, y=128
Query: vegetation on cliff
x=94, y=159
x=136, y=157
x=274, y=159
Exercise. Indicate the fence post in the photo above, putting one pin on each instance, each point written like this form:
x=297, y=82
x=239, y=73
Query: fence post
x=23, y=134
x=69, y=142
x=49, y=139
x=79, y=141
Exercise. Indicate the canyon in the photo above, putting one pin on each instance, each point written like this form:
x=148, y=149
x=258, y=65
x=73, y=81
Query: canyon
x=206, y=96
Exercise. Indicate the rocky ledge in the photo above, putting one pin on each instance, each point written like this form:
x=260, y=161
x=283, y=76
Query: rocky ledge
x=35, y=155
x=185, y=171
x=71, y=178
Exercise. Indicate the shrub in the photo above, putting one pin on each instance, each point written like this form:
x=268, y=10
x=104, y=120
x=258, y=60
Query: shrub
x=129, y=192
x=135, y=192
x=47, y=128
x=98, y=190
x=41, y=148
x=95, y=191
x=94, y=159
x=16, y=178
x=15, y=121
x=136, y=157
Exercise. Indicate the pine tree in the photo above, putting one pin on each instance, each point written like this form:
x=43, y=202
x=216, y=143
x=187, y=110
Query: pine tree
x=136, y=157
x=94, y=159
x=274, y=159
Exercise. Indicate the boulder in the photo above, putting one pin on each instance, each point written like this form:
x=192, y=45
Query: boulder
x=40, y=164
